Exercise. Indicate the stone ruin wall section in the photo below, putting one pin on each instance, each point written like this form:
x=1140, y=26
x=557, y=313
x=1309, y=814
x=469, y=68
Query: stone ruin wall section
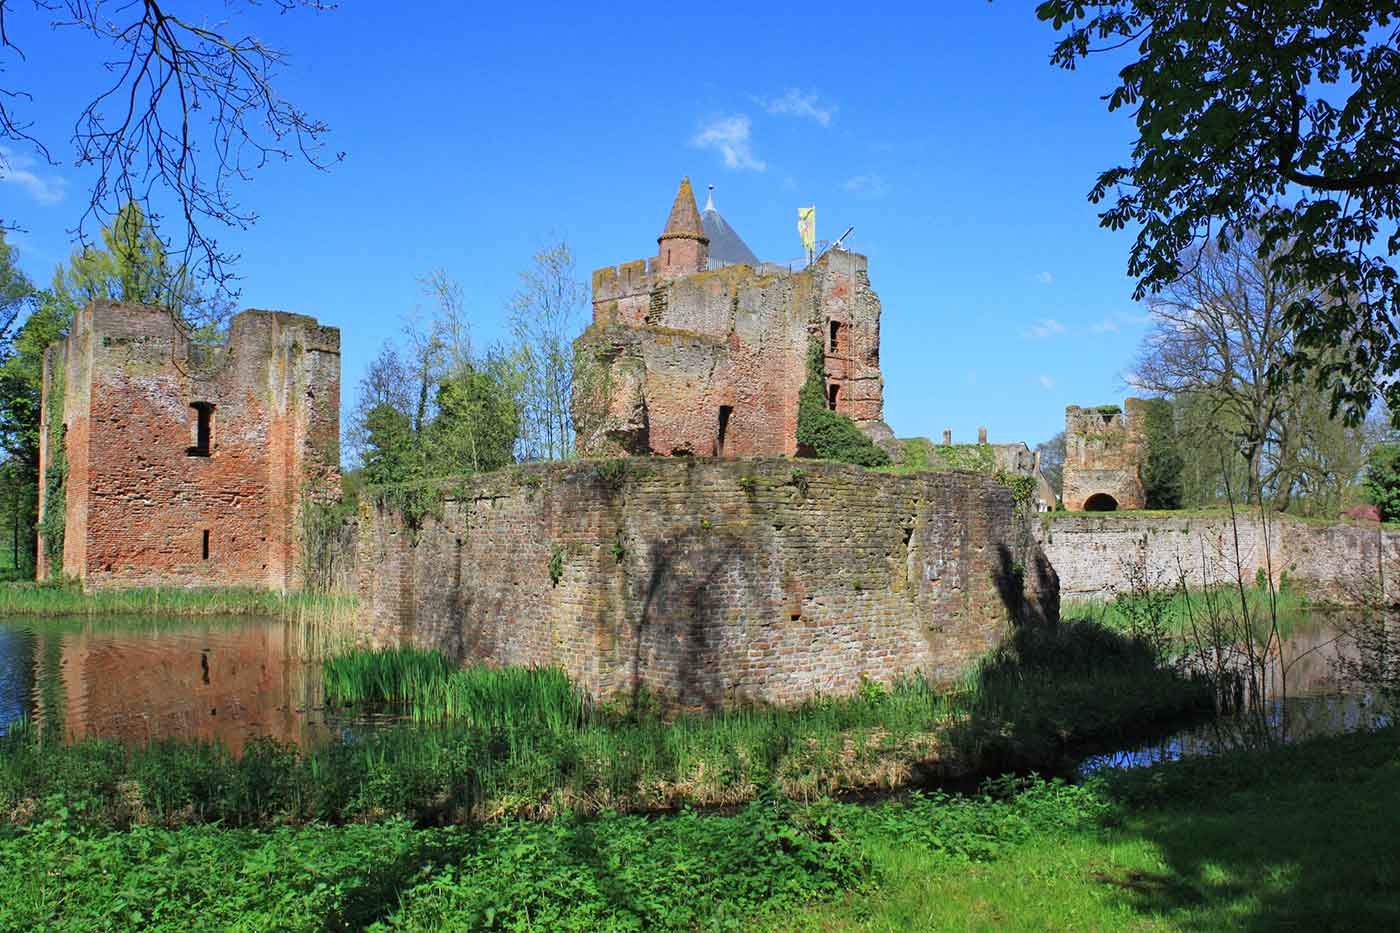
x=680, y=349
x=138, y=503
x=1096, y=556
x=707, y=581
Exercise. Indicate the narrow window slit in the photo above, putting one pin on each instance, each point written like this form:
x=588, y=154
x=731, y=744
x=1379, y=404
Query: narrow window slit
x=206, y=543
x=832, y=391
x=725, y=413
x=203, y=429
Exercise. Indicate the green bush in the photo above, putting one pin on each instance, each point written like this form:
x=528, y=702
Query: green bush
x=1383, y=481
x=824, y=433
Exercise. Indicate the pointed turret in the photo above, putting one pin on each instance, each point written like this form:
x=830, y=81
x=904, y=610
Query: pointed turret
x=684, y=246
x=726, y=247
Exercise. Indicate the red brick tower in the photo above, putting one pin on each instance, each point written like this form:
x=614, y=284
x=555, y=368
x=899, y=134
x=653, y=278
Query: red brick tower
x=683, y=247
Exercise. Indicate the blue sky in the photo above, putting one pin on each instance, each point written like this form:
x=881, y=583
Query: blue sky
x=473, y=133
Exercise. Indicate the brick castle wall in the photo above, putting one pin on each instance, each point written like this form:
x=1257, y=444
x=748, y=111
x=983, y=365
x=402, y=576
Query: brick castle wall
x=138, y=504
x=708, y=581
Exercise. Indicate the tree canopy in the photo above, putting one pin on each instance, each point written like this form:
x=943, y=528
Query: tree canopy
x=1282, y=117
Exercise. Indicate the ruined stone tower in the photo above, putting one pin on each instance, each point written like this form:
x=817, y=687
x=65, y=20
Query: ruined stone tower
x=182, y=464
x=682, y=359
x=1104, y=451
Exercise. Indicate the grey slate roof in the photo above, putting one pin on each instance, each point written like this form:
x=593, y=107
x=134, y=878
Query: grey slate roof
x=726, y=246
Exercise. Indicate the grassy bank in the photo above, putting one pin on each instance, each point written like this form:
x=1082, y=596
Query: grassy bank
x=69, y=601
x=496, y=744
x=1175, y=612
x=1247, y=841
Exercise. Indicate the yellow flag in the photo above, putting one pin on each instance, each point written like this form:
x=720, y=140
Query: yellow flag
x=807, y=227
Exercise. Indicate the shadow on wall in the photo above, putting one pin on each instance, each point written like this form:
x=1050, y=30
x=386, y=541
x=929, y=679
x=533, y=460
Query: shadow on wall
x=687, y=601
x=1014, y=581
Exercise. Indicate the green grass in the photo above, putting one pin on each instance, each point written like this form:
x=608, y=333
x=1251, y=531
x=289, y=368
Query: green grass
x=44, y=599
x=1299, y=837
x=1176, y=611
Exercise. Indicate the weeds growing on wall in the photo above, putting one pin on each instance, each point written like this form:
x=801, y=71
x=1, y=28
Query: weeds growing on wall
x=821, y=431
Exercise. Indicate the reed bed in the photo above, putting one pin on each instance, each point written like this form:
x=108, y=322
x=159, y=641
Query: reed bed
x=1174, y=611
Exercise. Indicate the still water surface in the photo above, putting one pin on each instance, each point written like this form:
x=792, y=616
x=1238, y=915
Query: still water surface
x=230, y=679
x=222, y=679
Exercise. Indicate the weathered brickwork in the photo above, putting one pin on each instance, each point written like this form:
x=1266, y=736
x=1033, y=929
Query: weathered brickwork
x=144, y=504
x=1099, y=556
x=1104, y=450
x=709, y=363
x=708, y=581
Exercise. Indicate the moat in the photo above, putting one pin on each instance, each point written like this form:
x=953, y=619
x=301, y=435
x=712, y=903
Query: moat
x=227, y=680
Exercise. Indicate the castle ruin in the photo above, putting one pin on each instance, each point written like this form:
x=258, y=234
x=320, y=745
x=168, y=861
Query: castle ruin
x=1104, y=451
x=180, y=464
x=686, y=356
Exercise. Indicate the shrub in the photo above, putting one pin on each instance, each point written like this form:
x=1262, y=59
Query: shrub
x=823, y=432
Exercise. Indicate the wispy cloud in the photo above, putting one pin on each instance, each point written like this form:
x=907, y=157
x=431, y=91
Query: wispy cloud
x=16, y=168
x=796, y=103
x=1046, y=382
x=731, y=137
x=872, y=185
x=1114, y=323
x=1045, y=278
x=1043, y=330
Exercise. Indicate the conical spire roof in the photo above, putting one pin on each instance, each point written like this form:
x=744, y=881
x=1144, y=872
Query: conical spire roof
x=684, y=222
x=726, y=246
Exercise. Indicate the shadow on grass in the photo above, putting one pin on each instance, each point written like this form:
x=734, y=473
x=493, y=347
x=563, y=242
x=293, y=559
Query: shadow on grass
x=1302, y=837
x=1053, y=686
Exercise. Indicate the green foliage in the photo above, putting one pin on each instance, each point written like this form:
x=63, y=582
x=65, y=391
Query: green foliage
x=614, y=473
x=393, y=455
x=616, y=873
x=134, y=266
x=556, y=564
x=1162, y=471
x=823, y=433
x=1309, y=161
x=1382, y=482
x=619, y=547
x=800, y=480
x=475, y=428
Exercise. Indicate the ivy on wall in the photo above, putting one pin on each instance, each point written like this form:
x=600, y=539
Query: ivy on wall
x=55, y=474
x=822, y=432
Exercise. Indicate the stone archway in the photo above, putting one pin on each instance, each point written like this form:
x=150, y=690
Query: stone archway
x=1100, y=502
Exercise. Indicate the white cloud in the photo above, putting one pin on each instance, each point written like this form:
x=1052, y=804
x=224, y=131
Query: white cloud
x=1106, y=326
x=730, y=137
x=1045, y=278
x=19, y=169
x=872, y=185
x=797, y=104
x=1117, y=321
x=1046, y=382
x=1043, y=330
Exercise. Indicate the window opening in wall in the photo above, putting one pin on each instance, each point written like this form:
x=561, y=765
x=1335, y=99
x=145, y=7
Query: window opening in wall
x=725, y=413
x=206, y=544
x=832, y=391
x=203, y=429
x=835, y=336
